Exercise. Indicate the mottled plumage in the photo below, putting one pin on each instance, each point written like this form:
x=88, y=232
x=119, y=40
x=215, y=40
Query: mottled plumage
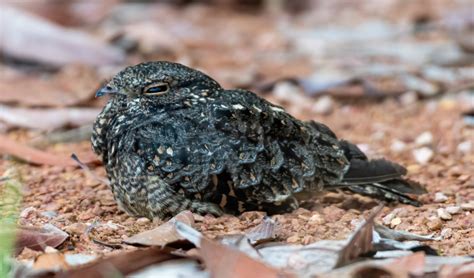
x=172, y=139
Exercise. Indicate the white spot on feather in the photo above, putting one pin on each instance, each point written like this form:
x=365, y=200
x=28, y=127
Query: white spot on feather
x=238, y=106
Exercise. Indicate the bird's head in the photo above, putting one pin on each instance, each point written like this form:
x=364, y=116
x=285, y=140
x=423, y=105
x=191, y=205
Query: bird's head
x=158, y=83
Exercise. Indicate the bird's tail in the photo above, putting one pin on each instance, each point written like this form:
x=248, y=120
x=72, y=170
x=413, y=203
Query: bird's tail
x=379, y=178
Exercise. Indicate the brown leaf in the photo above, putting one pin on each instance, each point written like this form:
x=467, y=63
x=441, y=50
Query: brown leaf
x=224, y=261
x=163, y=234
x=360, y=242
x=123, y=263
x=457, y=271
x=34, y=156
x=47, y=119
x=28, y=37
x=413, y=264
x=39, y=238
x=265, y=231
x=73, y=85
x=51, y=261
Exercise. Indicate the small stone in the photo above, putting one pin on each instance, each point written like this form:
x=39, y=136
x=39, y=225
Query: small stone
x=423, y=155
x=143, y=221
x=440, y=197
x=293, y=239
x=443, y=214
x=413, y=168
x=465, y=147
x=49, y=214
x=464, y=178
x=398, y=146
x=76, y=228
x=198, y=217
x=316, y=219
x=324, y=105
x=426, y=138
x=50, y=250
x=434, y=224
x=453, y=209
x=408, y=98
x=446, y=233
x=468, y=206
x=27, y=211
x=395, y=222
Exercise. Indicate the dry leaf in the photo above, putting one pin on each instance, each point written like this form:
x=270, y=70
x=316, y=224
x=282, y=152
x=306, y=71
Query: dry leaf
x=265, y=231
x=34, y=156
x=73, y=85
x=457, y=271
x=28, y=37
x=38, y=239
x=122, y=264
x=414, y=264
x=163, y=234
x=51, y=261
x=47, y=119
x=360, y=242
x=224, y=261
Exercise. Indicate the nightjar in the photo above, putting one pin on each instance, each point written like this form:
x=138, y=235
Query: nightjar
x=171, y=138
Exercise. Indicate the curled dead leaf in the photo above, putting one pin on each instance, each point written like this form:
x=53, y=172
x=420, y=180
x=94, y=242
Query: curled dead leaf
x=35, y=156
x=40, y=238
x=163, y=234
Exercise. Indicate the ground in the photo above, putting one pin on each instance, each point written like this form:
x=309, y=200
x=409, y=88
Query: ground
x=425, y=132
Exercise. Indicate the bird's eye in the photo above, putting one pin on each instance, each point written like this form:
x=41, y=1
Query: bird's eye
x=156, y=89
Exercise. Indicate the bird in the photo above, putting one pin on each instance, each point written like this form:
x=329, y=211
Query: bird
x=172, y=139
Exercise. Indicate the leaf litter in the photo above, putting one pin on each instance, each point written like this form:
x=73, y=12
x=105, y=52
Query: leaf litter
x=391, y=82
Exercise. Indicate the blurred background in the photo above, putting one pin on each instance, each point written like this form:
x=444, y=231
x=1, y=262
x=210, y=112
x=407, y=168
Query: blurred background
x=395, y=77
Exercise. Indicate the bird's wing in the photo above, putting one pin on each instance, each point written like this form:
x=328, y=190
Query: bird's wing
x=272, y=148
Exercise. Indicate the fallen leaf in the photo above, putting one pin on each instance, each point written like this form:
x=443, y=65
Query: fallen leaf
x=388, y=233
x=122, y=264
x=457, y=271
x=39, y=238
x=47, y=118
x=414, y=264
x=360, y=242
x=163, y=234
x=174, y=268
x=74, y=84
x=51, y=261
x=224, y=261
x=265, y=231
x=28, y=37
x=35, y=156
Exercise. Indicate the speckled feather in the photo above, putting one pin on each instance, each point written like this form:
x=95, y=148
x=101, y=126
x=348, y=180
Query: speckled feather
x=207, y=149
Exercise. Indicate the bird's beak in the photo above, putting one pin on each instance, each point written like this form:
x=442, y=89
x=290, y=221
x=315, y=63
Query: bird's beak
x=105, y=90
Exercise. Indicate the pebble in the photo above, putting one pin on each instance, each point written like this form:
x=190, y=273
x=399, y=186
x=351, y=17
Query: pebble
x=465, y=147
x=76, y=228
x=398, y=146
x=426, y=138
x=49, y=214
x=143, y=221
x=395, y=222
x=408, y=98
x=27, y=211
x=316, y=219
x=468, y=206
x=423, y=155
x=446, y=233
x=443, y=214
x=434, y=223
x=453, y=209
x=293, y=239
x=440, y=197
x=324, y=105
